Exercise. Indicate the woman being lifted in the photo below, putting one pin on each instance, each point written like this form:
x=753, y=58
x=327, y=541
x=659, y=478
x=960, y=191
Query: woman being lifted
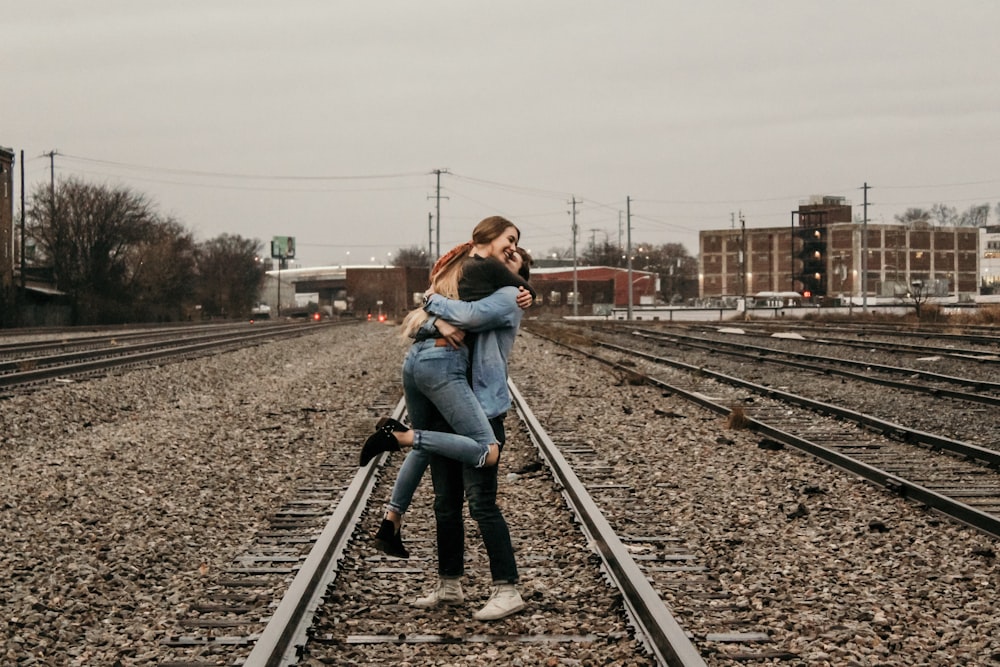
x=436, y=371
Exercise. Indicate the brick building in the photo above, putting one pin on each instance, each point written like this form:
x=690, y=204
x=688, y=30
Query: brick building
x=989, y=245
x=8, y=294
x=822, y=257
x=599, y=288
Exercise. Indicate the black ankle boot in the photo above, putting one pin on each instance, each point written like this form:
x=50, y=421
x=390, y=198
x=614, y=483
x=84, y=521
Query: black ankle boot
x=388, y=423
x=390, y=542
x=380, y=441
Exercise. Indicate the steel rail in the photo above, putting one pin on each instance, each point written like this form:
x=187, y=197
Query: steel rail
x=105, y=362
x=662, y=635
x=57, y=343
x=771, y=355
x=984, y=335
x=285, y=634
x=157, y=342
x=982, y=521
x=979, y=356
x=889, y=429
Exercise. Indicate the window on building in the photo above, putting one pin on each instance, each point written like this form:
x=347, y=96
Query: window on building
x=555, y=298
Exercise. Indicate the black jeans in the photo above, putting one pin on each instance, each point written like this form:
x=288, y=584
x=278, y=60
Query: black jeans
x=453, y=482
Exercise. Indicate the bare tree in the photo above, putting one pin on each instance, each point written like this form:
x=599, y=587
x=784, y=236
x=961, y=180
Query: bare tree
x=944, y=215
x=912, y=215
x=229, y=275
x=976, y=215
x=88, y=235
x=164, y=273
x=603, y=254
x=917, y=295
x=413, y=256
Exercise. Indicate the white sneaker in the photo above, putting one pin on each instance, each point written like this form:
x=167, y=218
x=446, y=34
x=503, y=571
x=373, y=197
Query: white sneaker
x=504, y=601
x=448, y=591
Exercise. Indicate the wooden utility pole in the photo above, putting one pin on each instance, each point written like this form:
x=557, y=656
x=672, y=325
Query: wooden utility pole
x=430, y=239
x=21, y=295
x=576, y=293
x=437, y=216
x=864, y=252
x=743, y=264
x=628, y=253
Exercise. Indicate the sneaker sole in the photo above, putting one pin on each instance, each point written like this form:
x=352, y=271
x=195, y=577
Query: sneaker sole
x=503, y=615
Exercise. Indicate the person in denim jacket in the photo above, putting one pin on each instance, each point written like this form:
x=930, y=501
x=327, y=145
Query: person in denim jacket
x=438, y=391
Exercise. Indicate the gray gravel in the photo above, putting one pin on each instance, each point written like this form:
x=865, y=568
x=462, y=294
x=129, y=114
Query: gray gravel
x=123, y=497
x=918, y=590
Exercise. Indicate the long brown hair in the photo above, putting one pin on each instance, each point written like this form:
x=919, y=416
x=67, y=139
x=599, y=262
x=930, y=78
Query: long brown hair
x=447, y=270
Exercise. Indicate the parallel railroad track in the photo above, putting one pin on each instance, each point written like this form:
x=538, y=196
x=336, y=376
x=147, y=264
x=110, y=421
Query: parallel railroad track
x=32, y=372
x=959, y=479
x=936, y=384
x=339, y=604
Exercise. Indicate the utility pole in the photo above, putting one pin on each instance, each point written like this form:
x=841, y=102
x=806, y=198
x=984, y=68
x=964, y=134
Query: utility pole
x=21, y=296
x=864, y=253
x=628, y=252
x=619, y=230
x=437, y=197
x=52, y=176
x=576, y=293
x=430, y=239
x=743, y=263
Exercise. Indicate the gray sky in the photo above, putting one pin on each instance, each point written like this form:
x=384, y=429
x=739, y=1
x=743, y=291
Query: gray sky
x=324, y=119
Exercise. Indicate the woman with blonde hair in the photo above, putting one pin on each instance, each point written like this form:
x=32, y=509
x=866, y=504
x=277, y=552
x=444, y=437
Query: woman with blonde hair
x=436, y=383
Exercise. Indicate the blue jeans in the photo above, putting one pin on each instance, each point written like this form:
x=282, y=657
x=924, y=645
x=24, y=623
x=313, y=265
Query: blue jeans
x=436, y=384
x=453, y=482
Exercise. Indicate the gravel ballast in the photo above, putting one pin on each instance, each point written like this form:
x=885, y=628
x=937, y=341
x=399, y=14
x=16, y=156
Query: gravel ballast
x=124, y=496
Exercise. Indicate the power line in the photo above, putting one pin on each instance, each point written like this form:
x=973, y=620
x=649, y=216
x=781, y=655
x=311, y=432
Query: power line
x=230, y=186
x=218, y=174
x=538, y=192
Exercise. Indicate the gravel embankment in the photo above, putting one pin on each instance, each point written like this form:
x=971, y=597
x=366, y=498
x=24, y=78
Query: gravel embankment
x=838, y=571
x=124, y=496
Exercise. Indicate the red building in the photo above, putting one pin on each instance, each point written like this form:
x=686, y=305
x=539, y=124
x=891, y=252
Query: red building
x=599, y=288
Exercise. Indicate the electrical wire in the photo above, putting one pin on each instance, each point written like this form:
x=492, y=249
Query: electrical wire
x=216, y=174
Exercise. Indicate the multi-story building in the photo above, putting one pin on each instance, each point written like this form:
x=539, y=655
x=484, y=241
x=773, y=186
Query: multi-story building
x=6, y=215
x=828, y=255
x=989, y=269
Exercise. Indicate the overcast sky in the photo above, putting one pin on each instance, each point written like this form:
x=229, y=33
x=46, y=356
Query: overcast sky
x=325, y=119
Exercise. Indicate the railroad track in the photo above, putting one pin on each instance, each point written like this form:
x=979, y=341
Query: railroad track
x=982, y=347
x=254, y=612
x=959, y=479
x=347, y=628
x=919, y=399
x=36, y=363
x=985, y=335
x=935, y=384
x=343, y=603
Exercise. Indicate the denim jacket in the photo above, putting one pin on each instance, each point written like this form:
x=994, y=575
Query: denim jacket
x=494, y=320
